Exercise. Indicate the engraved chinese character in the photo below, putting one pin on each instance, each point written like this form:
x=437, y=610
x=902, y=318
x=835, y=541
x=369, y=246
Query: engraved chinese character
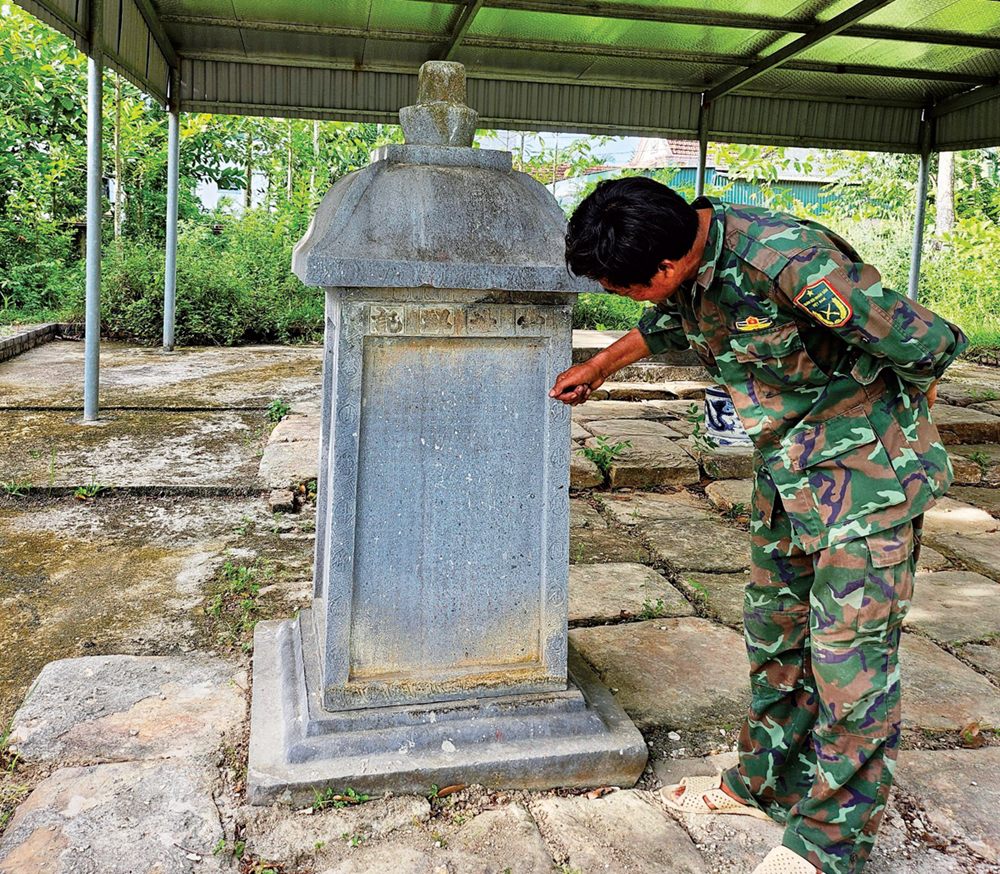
x=386, y=321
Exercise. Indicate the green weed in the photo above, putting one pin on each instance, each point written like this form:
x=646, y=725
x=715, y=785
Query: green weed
x=735, y=511
x=90, y=490
x=650, y=610
x=277, y=411
x=703, y=441
x=980, y=458
x=330, y=798
x=604, y=454
x=17, y=487
x=235, y=610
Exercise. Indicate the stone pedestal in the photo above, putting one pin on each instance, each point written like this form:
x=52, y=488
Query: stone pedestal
x=436, y=648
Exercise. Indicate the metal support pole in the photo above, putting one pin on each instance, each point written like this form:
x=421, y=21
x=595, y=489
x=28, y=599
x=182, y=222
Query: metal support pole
x=173, y=165
x=95, y=119
x=926, y=138
x=699, y=184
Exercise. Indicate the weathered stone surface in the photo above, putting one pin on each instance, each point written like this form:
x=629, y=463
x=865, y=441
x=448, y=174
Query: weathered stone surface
x=931, y=560
x=961, y=394
x=285, y=464
x=505, y=836
x=651, y=461
x=986, y=456
x=278, y=834
x=677, y=673
x=644, y=391
x=965, y=471
x=722, y=594
x=986, y=657
x=940, y=693
x=383, y=858
x=602, y=592
x=597, y=546
x=723, y=462
x=992, y=407
x=624, y=832
x=123, y=818
x=577, y=432
x=984, y=498
x=595, y=411
x=121, y=708
x=582, y=515
x=729, y=493
x=955, y=606
x=294, y=428
x=949, y=516
x=698, y=546
x=734, y=843
x=281, y=501
x=643, y=507
x=614, y=430
x=959, y=790
x=962, y=425
x=583, y=473
x=978, y=552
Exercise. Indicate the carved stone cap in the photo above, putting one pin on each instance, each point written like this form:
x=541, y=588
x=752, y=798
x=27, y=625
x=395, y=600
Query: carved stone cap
x=440, y=117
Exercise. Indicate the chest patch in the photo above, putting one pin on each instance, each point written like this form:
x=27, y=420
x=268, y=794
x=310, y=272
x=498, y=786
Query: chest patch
x=823, y=303
x=753, y=323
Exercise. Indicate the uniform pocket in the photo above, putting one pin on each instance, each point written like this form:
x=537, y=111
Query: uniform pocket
x=834, y=472
x=777, y=358
x=889, y=580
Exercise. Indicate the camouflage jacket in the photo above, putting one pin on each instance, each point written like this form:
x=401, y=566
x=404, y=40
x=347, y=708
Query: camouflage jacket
x=826, y=368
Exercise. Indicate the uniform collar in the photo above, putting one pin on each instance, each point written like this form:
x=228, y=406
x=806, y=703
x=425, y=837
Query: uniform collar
x=713, y=244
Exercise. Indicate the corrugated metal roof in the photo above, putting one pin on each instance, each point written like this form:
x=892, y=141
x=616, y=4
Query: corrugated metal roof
x=836, y=73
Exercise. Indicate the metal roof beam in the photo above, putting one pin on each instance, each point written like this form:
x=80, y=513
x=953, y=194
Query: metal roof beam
x=712, y=18
x=462, y=28
x=961, y=101
x=156, y=29
x=830, y=28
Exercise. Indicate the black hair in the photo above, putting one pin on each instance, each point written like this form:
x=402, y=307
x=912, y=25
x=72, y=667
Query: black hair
x=625, y=228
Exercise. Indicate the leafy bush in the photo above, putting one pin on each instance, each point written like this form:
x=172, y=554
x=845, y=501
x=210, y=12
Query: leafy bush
x=606, y=312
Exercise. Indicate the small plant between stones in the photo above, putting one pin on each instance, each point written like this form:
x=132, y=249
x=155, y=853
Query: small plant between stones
x=604, y=454
x=235, y=608
x=650, y=610
x=91, y=490
x=17, y=487
x=277, y=411
x=980, y=458
x=330, y=798
x=702, y=440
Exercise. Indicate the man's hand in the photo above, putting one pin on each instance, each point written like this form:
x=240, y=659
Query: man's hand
x=574, y=386
x=932, y=394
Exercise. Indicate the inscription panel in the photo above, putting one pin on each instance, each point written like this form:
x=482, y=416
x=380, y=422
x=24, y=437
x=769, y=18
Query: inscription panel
x=450, y=546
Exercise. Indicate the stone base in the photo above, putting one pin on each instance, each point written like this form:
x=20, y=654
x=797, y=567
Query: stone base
x=575, y=738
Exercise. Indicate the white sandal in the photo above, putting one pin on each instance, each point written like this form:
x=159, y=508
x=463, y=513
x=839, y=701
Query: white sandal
x=781, y=860
x=705, y=795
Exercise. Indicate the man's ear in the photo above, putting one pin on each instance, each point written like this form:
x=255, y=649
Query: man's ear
x=667, y=267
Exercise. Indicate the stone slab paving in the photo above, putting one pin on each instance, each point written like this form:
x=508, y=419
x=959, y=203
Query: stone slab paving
x=710, y=547
x=950, y=516
x=631, y=510
x=978, y=552
x=599, y=546
x=133, y=448
x=651, y=461
x=721, y=594
x=726, y=494
x=641, y=391
x=582, y=515
x=135, y=708
x=614, y=430
x=961, y=395
x=940, y=693
x=984, y=498
x=682, y=673
x=122, y=818
x=140, y=376
x=984, y=456
x=965, y=470
x=986, y=657
x=931, y=560
x=960, y=791
x=608, y=592
x=955, y=606
x=722, y=462
x=583, y=473
x=595, y=410
x=622, y=833
x=964, y=425
x=577, y=432
x=986, y=406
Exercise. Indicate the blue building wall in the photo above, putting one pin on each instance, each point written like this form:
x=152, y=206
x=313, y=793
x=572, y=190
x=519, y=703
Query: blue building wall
x=809, y=192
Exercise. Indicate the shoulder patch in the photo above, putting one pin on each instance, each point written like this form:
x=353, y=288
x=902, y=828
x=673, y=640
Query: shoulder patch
x=822, y=302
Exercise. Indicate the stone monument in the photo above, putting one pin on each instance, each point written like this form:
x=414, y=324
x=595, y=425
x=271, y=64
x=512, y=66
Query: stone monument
x=435, y=651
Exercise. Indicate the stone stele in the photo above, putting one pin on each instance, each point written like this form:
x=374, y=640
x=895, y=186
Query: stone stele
x=435, y=651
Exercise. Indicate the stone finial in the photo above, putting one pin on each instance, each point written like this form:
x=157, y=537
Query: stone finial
x=440, y=117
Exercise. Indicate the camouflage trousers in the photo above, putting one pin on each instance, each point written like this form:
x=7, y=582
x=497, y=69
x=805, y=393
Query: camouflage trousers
x=818, y=748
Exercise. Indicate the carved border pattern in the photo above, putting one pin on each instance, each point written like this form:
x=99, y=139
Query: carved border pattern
x=459, y=320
